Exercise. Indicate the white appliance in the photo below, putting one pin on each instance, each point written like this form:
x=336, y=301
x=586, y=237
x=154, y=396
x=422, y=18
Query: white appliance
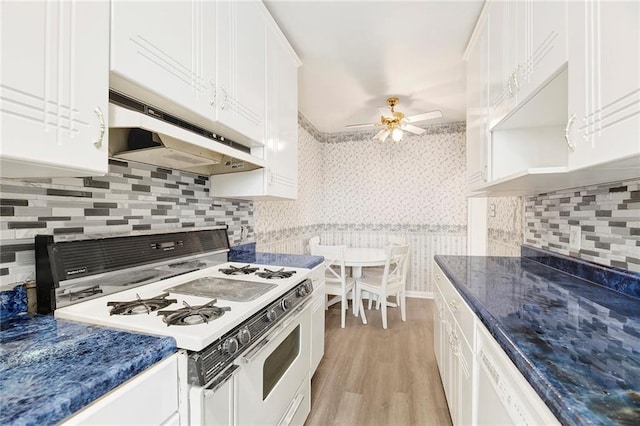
x=245, y=337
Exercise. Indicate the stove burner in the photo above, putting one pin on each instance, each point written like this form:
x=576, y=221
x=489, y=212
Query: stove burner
x=140, y=306
x=271, y=275
x=190, y=315
x=234, y=270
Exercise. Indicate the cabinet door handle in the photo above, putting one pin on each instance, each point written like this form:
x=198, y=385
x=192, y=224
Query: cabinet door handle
x=509, y=85
x=567, y=130
x=98, y=142
x=212, y=101
x=454, y=304
x=226, y=96
x=515, y=79
x=269, y=177
x=437, y=276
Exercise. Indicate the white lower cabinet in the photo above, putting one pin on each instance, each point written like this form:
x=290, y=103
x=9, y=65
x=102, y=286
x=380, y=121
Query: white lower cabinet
x=481, y=384
x=453, y=346
x=54, y=83
x=149, y=398
x=317, y=318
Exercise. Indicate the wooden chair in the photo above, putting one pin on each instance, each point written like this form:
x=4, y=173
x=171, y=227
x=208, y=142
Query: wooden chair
x=337, y=283
x=392, y=281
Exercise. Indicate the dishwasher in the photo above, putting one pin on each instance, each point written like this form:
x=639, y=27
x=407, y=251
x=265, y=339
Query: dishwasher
x=504, y=395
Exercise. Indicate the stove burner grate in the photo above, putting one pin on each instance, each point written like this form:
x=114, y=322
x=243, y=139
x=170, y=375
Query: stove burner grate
x=191, y=315
x=271, y=275
x=234, y=270
x=140, y=306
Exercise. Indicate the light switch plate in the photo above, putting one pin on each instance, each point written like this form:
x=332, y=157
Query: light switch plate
x=575, y=236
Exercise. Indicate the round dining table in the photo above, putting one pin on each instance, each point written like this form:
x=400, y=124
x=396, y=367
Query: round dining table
x=359, y=257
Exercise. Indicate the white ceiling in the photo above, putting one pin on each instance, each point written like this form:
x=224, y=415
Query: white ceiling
x=357, y=53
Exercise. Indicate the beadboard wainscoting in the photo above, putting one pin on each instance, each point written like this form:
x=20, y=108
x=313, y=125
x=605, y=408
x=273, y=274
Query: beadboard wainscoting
x=425, y=242
x=132, y=197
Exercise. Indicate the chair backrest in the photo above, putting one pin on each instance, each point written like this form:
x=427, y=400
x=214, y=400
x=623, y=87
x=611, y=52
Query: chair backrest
x=396, y=266
x=395, y=240
x=333, y=257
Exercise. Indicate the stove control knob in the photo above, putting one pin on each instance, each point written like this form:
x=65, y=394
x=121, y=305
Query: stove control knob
x=244, y=335
x=230, y=346
x=303, y=291
x=285, y=304
x=272, y=315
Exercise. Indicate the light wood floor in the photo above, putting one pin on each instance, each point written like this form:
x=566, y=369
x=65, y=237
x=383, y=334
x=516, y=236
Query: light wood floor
x=371, y=376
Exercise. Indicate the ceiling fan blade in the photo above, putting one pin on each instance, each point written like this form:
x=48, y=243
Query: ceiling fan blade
x=385, y=112
x=412, y=129
x=422, y=117
x=356, y=126
x=382, y=135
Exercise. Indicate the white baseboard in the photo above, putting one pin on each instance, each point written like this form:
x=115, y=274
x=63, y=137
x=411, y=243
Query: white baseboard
x=420, y=294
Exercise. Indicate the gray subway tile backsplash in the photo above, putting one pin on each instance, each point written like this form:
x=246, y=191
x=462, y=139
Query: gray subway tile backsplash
x=131, y=197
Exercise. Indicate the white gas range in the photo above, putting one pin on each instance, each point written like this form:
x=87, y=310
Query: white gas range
x=244, y=295
x=244, y=329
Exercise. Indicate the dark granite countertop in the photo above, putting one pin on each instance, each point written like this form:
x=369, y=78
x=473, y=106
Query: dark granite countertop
x=577, y=343
x=246, y=253
x=49, y=368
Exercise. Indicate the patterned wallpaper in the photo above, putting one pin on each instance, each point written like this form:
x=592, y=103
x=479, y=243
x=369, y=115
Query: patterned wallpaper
x=505, y=223
x=131, y=197
x=608, y=215
x=356, y=191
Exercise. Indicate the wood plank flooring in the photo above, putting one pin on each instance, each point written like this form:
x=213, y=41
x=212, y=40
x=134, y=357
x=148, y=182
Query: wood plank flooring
x=371, y=376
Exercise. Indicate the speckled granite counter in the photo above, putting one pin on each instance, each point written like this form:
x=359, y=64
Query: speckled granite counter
x=50, y=368
x=246, y=253
x=577, y=343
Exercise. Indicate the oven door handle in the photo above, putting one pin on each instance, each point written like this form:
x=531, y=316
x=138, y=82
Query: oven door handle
x=223, y=378
x=257, y=349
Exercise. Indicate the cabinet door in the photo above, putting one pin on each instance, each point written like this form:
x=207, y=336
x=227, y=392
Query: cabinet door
x=604, y=81
x=54, y=88
x=438, y=333
x=543, y=39
x=502, y=21
x=163, y=54
x=477, y=111
x=241, y=68
x=281, y=145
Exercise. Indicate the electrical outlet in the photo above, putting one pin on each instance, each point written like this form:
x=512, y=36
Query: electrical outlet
x=492, y=210
x=575, y=236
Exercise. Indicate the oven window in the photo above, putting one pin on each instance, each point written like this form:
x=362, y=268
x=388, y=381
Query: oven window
x=279, y=361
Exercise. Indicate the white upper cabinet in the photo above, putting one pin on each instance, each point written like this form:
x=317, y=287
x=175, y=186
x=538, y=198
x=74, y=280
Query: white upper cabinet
x=54, y=88
x=477, y=107
x=164, y=54
x=279, y=179
x=240, y=51
x=563, y=95
x=542, y=41
x=200, y=60
x=527, y=47
x=604, y=83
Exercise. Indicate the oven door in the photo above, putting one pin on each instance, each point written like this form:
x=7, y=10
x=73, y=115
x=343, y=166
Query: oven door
x=273, y=382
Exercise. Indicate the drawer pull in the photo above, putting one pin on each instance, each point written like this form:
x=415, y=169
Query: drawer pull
x=455, y=305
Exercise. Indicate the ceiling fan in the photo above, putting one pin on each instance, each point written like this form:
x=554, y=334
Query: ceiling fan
x=395, y=122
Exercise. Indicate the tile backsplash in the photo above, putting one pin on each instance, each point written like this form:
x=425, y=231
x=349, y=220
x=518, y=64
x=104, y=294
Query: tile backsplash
x=131, y=197
x=608, y=216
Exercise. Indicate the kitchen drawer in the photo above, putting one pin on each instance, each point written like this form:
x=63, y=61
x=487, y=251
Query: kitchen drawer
x=463, y=315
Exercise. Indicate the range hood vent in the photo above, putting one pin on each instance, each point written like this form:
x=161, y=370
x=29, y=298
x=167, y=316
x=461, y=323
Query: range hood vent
x=142, y=133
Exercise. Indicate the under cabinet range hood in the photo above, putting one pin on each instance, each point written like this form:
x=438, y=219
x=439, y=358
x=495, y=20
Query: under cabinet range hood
x=141, y=133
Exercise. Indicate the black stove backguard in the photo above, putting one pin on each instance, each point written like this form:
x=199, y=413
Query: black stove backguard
x=58, y=261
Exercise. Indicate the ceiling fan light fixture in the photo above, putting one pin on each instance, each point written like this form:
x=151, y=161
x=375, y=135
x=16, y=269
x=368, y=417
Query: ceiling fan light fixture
x=396, y=135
